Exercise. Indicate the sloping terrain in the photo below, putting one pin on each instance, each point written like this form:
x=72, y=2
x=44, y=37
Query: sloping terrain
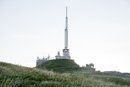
x=18, y=76
x=60, y=65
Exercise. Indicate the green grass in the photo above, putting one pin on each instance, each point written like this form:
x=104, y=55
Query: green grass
x=18, y=76
x=60, y=65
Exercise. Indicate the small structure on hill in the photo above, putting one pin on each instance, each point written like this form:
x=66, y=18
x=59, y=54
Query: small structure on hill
x=42, y=60
x=90, y=67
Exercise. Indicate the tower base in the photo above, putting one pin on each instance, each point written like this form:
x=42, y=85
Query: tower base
x=66, y=54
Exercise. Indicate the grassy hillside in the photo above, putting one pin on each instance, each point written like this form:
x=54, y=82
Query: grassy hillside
x=60, y=65
x=18, y=76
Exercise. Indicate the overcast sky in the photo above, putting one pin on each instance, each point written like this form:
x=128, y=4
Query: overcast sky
x=99, y=31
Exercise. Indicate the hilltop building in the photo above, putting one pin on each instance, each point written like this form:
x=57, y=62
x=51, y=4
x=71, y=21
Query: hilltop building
x=42, y=60
x=66, y=54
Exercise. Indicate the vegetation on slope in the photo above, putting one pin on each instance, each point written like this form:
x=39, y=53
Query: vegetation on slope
x=18, y=76
x=60, y=65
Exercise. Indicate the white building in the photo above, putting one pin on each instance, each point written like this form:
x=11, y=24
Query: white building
x=42, y=60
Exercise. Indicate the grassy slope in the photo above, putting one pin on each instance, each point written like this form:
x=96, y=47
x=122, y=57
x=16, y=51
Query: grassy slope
x=18, y=76
x=60, y=65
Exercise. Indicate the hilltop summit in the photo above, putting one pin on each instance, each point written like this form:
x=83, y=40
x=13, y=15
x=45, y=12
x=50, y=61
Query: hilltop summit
x=59, y=65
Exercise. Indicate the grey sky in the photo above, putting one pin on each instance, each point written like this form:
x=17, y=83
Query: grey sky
x=98, y=31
